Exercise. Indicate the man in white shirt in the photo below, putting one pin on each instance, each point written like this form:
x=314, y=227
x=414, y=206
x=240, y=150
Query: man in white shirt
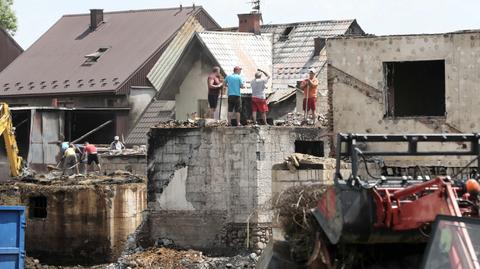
x=259, y=102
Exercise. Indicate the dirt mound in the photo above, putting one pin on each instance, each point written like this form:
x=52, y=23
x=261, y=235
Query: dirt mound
x=167, y=258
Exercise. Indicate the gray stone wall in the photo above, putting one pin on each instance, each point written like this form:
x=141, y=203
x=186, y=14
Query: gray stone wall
x=206, y=185
x=134, y=163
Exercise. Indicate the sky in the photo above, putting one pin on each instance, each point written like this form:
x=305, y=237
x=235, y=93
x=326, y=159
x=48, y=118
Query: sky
x=379, y=17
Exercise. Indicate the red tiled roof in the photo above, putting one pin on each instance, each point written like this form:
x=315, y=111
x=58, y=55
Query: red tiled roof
x=55, y=63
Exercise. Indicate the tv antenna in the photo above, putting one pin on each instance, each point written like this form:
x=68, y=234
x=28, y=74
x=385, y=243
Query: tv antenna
x=255, y=5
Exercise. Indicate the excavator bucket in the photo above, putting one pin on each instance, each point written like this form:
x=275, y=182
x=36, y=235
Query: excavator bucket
x=345, y=213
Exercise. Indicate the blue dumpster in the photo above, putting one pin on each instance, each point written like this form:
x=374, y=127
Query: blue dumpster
x=12, y=237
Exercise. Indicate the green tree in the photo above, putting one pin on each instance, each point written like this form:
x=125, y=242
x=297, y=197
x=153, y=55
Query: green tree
x=8, y=19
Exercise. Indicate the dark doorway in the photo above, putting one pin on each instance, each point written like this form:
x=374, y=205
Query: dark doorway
x=37, y=206
x=314, y=148
x=21, y=121
x=415, y=88
x=78, y=123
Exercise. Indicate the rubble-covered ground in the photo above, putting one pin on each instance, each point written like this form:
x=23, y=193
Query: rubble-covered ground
x=163, y=258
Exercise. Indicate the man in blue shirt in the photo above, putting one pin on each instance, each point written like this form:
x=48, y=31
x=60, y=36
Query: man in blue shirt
x=234, y=83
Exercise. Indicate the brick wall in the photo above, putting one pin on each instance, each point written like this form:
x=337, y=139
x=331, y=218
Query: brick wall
x=206, y=184
x=134, y=163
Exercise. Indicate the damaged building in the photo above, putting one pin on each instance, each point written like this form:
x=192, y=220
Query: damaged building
x=221, y=181
x=423, y=83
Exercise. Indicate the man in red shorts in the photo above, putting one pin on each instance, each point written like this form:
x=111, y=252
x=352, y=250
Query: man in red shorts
x=259, y=102
x=309, y=87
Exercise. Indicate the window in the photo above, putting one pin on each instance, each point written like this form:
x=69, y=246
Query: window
x=93, y=57
x=415, y=88
x=38, y=207
x=314, y=148
x=286, y=32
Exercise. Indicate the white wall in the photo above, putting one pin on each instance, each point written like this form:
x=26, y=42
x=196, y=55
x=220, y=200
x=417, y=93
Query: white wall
x=139, y=99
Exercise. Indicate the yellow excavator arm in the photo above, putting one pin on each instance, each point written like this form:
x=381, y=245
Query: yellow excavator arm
x=8, y=132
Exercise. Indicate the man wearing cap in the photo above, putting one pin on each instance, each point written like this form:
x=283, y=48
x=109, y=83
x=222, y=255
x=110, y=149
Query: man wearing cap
x=234, y=84
x=309, y=87
x=259, y=102
x=215, y=87
x=116, y=144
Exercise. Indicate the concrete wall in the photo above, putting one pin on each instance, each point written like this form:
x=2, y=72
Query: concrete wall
x=134, y=163
x=356, y=80
x=138, y=100
x=84, y=224
x=204, y=184
x=194, y=88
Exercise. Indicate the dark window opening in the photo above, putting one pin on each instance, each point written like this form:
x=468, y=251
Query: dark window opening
x=78, y=123
x=21, y=122
x=38, y=207
x=286, y=32
x=415, y=88
x=314, y=148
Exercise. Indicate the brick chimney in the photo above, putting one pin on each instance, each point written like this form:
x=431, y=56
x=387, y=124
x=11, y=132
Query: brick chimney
x=249, y=23
x=96, y=18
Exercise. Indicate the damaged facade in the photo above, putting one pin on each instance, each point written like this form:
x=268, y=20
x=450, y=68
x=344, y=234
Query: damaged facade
x=218, y=181
x=78, y=223
x=405, y=84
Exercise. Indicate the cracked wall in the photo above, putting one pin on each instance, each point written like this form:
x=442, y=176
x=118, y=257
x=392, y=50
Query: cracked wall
x=85, y=224
x=205, y=184
x=356, y=80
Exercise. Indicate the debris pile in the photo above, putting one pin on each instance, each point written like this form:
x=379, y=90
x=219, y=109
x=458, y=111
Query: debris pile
x=306, y=161
x=135, y=150
x=31, y=263
x=298, y=119
x=293, y=213
x=56, y=178
x=169, y=258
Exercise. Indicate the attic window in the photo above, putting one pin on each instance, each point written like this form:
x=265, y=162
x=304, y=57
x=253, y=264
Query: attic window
x=286, y=33
x=93, y=57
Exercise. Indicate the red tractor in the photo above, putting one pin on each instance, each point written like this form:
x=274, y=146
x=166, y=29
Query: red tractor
x=367, y=221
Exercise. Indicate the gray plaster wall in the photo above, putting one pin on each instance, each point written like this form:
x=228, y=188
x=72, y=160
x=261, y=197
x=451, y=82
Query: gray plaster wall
x=206, y=184
x=356, y=80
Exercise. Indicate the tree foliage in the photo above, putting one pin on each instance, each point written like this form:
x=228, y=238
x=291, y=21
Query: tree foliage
x=8, y=19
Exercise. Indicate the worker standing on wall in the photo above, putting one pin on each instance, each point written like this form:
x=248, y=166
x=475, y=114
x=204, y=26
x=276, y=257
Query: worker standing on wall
x=234, y=84
x=259, y=102
x=92, y=156
x=309, y=87
x=215, y=87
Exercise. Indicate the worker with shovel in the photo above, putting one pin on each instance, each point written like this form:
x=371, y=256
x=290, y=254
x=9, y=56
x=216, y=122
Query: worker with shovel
x=309, y=87
x=70, y=160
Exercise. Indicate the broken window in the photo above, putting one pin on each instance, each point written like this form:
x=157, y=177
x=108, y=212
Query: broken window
x=415, y=88
x=314, y=148
x=37, y=207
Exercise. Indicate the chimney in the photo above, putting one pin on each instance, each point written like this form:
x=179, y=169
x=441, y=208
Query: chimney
x=249, y=23
x=319, y=44
x=96, y=17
